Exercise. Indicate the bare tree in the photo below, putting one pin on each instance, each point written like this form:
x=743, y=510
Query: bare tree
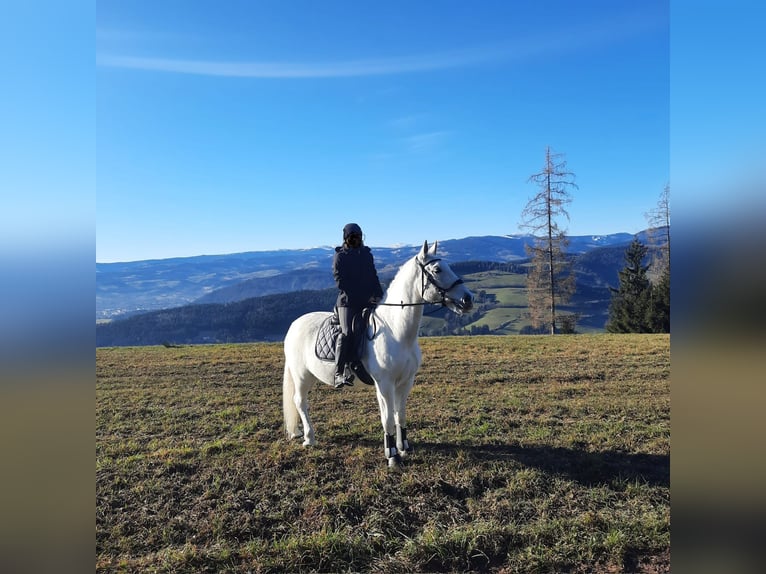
x=659, y=234
x=550, y=279
x=659, y=271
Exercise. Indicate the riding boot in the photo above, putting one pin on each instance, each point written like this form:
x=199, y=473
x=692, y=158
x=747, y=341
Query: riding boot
x=343, y=375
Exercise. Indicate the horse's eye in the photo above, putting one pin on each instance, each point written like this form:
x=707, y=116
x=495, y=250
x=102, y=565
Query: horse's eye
x=437, y=269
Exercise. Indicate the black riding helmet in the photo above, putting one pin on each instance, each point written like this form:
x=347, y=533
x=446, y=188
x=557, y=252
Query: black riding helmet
x=351, y=229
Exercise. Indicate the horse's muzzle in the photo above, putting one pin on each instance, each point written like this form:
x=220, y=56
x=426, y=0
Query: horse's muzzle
x=465, y=303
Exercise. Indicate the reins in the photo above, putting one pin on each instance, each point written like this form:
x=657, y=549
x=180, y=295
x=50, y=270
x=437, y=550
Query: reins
x=425, y=275
x=424, y=303
x=432, y=280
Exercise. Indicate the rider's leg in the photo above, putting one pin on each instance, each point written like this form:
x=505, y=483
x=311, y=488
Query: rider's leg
x=343, y=376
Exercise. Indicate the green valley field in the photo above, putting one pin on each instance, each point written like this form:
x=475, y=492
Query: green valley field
x=532, y=454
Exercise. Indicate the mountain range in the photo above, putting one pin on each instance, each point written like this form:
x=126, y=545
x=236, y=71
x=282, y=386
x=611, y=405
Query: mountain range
x=124, y=289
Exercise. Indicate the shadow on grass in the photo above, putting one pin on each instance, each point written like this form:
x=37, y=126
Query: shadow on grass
x=587, y=468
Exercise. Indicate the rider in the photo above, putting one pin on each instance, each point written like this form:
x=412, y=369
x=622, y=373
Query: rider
x=353, y=268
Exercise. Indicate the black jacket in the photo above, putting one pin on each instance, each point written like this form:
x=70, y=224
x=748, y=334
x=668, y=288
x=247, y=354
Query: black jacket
x=356, y=277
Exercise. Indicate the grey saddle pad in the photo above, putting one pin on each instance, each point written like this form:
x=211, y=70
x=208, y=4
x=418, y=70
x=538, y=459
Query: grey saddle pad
x=326, y=336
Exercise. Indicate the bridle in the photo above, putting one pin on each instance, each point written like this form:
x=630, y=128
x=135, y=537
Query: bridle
x=427, y=278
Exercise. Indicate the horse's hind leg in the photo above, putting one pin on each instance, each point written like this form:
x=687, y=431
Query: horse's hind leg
x=300, y=398
x=291, y=415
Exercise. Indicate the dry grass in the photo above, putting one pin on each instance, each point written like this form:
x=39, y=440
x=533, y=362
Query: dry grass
x=532, y=454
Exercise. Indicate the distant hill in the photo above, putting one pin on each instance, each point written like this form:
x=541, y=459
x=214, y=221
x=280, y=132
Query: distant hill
x=257, y=319
x=126, y=288
x=123, y=289
x=500, y=288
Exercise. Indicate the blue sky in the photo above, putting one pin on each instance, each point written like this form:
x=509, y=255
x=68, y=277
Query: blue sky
x=247, y=126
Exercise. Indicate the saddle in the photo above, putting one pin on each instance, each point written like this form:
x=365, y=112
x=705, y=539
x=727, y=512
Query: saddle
x=324, y=347
x=326, y=336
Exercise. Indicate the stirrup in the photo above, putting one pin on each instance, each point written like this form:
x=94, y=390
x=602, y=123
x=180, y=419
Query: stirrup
x=346, y=379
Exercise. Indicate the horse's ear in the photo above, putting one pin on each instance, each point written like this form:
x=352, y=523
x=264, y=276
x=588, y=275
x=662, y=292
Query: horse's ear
x=433, y=247
x=424, y=252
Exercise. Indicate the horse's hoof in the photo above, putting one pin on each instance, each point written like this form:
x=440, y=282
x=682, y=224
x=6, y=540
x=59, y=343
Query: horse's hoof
x=407, y=452
x=309, y=442
x=395, y=462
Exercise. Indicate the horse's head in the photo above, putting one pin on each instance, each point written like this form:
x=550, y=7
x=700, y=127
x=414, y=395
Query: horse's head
x=441, y=284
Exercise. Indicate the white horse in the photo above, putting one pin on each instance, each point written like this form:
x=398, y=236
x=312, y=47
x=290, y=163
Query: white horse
x=391, y=354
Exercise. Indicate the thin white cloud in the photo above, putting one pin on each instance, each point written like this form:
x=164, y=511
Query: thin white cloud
x=353, y=68
x=426, y=142
x=564, y=40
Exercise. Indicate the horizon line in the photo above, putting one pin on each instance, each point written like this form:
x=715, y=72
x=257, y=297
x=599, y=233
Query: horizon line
x=392, y=246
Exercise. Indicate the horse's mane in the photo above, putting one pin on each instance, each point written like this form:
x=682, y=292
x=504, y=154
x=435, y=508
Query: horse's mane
x=399, y=274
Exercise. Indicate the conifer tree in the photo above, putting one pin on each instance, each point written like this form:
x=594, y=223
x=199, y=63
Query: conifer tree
x=660, y=308
x=630, y=309
x=550, y=280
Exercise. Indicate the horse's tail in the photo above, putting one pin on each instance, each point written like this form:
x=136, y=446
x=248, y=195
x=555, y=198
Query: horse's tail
x=289, y=410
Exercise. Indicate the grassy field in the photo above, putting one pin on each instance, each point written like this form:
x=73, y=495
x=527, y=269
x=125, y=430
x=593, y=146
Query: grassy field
x=510, y=294
x=532, y=454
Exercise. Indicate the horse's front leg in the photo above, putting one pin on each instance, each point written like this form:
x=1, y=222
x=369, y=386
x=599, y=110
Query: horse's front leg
x=400, y=418
x=386, y=403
